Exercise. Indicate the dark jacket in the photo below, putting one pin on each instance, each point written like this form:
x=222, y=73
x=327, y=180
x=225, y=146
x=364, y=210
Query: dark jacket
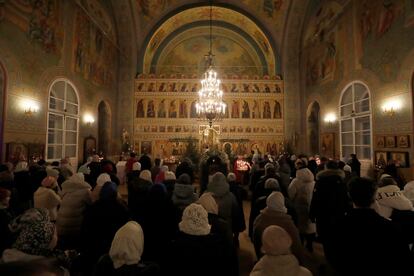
x=105, y=267
x=6, y=239
x=137, y=197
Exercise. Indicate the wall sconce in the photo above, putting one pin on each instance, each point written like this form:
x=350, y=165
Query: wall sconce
x=390, y=107
x=88, y=119
x=330, y=118
x=29, y=107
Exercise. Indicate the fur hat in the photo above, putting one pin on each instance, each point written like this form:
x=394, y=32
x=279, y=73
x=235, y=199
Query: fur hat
x=272, y=183
x=146, y=175
x=209, y=203
x=169, y=176
x=136, y=166
x=231, y=177
x=195, y=221
x=128, y=245
x=276, y=241
x=102, y=179
x=276, y=202
x=347, y=168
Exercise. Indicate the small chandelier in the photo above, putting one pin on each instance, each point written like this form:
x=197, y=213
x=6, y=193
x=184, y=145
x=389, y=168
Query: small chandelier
x=210, y=105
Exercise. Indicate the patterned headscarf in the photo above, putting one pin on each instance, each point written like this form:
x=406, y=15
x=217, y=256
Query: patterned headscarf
x=35, y=232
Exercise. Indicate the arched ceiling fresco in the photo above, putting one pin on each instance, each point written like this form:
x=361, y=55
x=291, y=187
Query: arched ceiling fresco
x=237, y=39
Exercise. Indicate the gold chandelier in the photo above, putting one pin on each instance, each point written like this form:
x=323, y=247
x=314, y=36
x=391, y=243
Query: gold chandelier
x=210, y=105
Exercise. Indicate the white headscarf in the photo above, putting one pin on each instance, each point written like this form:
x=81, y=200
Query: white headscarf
x=102, y=179
x=128, y=245
x=209, y=203
x=195, y=221
x=276, y=202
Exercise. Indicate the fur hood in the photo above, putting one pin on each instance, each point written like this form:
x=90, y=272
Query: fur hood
x=330, y=172
x=305, y=175
x=74, y=184
x=390, y=197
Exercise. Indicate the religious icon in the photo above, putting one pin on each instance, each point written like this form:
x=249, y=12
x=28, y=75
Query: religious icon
x=277, y=112
x=246, y=110
x=248, y=129
x=161, y=109
x=172, y=110
x=172, y=87
x=256, y=88
x=140, y=109
x=390, y=141
x=277, y=89
x=162, y=87
x=235, y=111
x=380, y=141
x=381, y=159
x=256, y=110
x=183, y=109
x=403, y=141
x=162, y=128
x=267, y=114
x=240, y=129
x=194, y=88
x=226, y=111
x=151, y=87
x=246, y=87
x=184, y=87
x=150, y=109
x=193, y=110
x=170, y=129
x=140, y=86
x=234, y=88
x=267, y=88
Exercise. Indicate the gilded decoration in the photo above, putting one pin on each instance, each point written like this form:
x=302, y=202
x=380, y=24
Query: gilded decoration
x=164, y=108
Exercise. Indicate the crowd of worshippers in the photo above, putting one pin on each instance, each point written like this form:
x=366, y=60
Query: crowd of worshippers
x=58, y=221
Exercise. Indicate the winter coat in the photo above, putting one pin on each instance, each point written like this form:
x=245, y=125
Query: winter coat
x=227, y=203
x=282, y=265
x=48, y=199
x=75, y=198
x=183, y=195
x=6, y=239
x=300, y=193
x=105, y=266
x=137, y=197
x=269, y=217
x=389, y=198
x=284, y=172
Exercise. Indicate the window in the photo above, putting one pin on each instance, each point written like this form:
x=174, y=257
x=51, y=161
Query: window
x=355, y=121
x=62, y=121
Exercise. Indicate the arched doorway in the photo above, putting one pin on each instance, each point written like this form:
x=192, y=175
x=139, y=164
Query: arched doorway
x=104, y=127
x=313, y=118
x=2, y=106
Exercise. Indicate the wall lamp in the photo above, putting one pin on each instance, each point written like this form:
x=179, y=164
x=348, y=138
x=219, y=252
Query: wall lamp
x=29, y=107
x=88, y=119
x=391, y=107
x=330, y=118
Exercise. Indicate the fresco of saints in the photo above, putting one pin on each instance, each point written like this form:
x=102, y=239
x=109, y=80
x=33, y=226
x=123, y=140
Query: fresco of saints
x=246, y=87
x=256, y=110
x=277, y=113
x=256, y=88
x=183, y=109
x=161, y=109
x=235, y=112
x=151, y=87
x=172, y=110
x=150, y=109
x=234, y=88
x=267, y=88
x=194, y=88
x=246, y=110
x=266, y=110
x=162, y=87
x=184, y=87
x=140, y=109
x=193, y=110
x=277, y=89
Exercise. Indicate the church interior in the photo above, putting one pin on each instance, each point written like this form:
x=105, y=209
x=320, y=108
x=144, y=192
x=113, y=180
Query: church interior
x=84, y=81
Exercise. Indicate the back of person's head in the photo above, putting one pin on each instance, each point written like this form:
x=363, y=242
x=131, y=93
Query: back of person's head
x=341, y=165
x=184, y=179
x=157, y=162
x=331, y=165
x=195, y=221
x=231, y=177
x=170, y=176
x=108, y=191
x=272, y=184
x=362, y=191
x=136, y=166
x=146, y=175
x=276, y=202
x=55, y=164
x=276, y=241
x=128, y=245
x=269, y=169
x=208, y=202
x=347, y=168
x=353, y=156
x=132, y=155
x=386, y=181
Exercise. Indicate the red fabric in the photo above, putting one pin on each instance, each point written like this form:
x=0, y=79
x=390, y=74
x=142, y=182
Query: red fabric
x=130, y=162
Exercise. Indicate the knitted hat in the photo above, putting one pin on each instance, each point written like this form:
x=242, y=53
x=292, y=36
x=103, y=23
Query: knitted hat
x=164, y=168
x=146, y=175
x=218, y=184
x=52, y=172
x=276, y=241
x=231, y=177
x=272, y=184
x=169, y=176
x=34, y=231
x=184, y=179
x=102, y=179
x=136, y=166
x=195, y=221
x=48, y=182
x=108, y=191
x=209, y=203
x=276, y=202
x=347, y=168
x=128, y=245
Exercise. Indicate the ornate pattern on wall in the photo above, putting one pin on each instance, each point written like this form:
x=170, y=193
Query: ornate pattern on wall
x=165, y=109
x=94, y=54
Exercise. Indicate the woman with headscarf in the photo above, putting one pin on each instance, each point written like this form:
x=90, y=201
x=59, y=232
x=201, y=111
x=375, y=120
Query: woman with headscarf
x=196, y=251
x=36, y=238
x=46, y=197
x=124, y=257
x=278, y=259
x=137, y=194
x=276, y=214
x=76, y=196
x=100, y=181
x=183, y=194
